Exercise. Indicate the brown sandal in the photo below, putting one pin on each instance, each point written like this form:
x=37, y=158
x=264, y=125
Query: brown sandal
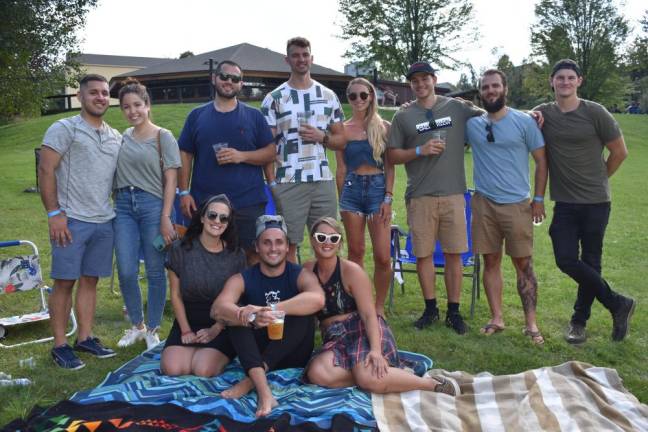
x=536, y=336
x=490, y=329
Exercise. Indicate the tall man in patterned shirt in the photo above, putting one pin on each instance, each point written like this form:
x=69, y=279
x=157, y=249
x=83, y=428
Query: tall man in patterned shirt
x=306, y=119
x=576, y=131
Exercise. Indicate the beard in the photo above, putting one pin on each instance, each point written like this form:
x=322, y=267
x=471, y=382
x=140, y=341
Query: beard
x=224, y=95
x=496, y=105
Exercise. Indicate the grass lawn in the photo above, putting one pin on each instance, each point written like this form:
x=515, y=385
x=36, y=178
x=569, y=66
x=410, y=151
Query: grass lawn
x=625, y=266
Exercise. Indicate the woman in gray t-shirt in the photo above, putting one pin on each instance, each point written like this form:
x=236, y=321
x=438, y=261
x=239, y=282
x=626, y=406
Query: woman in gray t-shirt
x=145, y=184
x=199, y=265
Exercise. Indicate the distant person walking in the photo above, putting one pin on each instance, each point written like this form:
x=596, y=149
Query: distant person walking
x=76, y=170
x=576, y=131
x=145, y=188
x=306, y=119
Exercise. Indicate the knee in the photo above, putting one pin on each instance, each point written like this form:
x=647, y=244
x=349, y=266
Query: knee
x=317, y=374
x=205, y=370
x=356, y=252
x=382, y=261
x=369, y=384
x=172, y=368
x=566, y=264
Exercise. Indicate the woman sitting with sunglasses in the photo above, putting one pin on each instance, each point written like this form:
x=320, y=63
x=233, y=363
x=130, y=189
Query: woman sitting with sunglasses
x=358, y=346
x=199, y=265
x=365, y=181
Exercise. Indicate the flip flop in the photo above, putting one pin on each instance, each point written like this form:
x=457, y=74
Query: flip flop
x=490, y=329
x=536, y=336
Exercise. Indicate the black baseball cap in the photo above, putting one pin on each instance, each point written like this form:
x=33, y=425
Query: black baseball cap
x=419, y=66
x=566, y=64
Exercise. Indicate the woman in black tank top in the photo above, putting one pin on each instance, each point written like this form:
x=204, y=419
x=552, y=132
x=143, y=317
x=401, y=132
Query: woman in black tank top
x=358, y=346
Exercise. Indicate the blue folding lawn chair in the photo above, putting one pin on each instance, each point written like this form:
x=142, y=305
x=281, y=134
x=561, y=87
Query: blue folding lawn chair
x=402, y=257
x=19, y=274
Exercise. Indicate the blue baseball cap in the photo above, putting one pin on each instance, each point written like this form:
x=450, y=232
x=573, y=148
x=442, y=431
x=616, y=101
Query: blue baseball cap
x=419, y=66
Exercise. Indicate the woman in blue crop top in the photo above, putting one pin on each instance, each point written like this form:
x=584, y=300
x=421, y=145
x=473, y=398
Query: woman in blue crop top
x=365, y=181
x=358, y=346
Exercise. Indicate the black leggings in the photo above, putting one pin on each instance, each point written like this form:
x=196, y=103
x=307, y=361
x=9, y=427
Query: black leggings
x=255, y=349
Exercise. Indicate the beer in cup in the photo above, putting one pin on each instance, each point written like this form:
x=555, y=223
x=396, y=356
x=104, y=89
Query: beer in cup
x=276, y=327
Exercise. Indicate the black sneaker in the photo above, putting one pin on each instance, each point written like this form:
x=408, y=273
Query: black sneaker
x=576, y=333
x=93, y=346
x=621, y=318
x=455, y=322
x=65, y=358
x=427, y=319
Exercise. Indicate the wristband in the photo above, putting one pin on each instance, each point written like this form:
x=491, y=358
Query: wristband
x=538, y=198
x=272, y=184
x=418, y=151
x=388, y=199
x=184, y=192
x=54, y=213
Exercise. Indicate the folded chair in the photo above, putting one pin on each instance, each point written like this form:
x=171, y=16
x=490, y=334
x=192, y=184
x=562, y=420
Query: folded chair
x=402, y=258
x=19, y=274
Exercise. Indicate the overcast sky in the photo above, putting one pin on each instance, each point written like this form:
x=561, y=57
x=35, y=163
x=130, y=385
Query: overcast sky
x=166, y=28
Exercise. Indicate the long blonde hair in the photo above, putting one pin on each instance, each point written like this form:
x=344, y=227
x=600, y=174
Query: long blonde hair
x=376, y=131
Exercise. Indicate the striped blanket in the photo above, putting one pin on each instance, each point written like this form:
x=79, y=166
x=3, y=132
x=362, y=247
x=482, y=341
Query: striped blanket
x=573, y=396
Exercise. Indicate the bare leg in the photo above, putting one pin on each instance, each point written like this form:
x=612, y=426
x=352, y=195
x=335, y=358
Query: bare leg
x=426, y=276
x=176, y=360
x=208, y=362
x=239, y=389
x=380, y=239
x=265, y=401
x=85, y=305
x=452, y=276
x=292, y=253
x=60, y=304
x=493, y=283
x=354, y=227
x=323, y=372
x=527, y=286
x=395, y=381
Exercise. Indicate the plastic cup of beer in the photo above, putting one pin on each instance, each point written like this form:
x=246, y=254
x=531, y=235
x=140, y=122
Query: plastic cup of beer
x=276, y=327
x=440, y=135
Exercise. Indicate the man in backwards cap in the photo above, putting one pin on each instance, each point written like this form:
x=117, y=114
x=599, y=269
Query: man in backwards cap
x=436, y=182
x=576, y=131
x=274, y=284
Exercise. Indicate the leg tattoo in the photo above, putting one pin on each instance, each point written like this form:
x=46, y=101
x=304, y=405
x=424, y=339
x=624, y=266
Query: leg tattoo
x=527, y=286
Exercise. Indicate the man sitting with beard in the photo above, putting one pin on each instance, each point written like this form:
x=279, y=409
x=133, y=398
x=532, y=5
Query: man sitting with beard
x=271, y=287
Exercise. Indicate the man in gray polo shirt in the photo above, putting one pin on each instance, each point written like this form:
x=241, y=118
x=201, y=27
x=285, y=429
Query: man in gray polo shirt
x=576, y=131
x=76, y=169
x=436, y=183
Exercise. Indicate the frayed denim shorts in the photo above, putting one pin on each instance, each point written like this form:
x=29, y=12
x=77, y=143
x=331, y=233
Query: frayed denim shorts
x=363, y=194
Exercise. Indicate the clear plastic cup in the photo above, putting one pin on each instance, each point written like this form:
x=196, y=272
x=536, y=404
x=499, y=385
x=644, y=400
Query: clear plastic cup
x=276, y=327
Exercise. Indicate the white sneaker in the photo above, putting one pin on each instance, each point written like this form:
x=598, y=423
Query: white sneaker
x=152, y=339
x=131, y=336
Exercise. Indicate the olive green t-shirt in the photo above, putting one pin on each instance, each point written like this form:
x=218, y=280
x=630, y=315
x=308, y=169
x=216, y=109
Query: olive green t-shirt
x=574, y=141
x=440, y=175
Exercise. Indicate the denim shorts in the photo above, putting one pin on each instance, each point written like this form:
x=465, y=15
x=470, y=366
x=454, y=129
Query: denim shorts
x=363, y=194
x=89, y=254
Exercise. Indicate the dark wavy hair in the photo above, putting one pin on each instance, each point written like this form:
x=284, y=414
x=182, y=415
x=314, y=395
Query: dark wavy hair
x=229, y=236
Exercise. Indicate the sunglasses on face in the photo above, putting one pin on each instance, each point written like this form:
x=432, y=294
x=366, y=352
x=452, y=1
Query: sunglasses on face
x=354, y=96
x=222, y=217
x=489, y=133
x=224, y=77
x=322, y=238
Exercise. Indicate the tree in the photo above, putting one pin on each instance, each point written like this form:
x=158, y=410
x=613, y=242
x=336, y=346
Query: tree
x=37, y=43
x=589, y=32
x=638, y=53
x=186, y=54
x=392, y=34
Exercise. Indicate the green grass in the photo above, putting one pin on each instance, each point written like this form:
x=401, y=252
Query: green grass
x=625, y=266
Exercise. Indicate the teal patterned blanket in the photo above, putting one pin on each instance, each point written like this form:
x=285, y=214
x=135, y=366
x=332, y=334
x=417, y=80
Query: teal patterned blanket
x=140, y=382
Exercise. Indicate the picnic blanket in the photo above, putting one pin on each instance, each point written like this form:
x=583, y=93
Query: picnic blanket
x=572, y=396
x=140, y=382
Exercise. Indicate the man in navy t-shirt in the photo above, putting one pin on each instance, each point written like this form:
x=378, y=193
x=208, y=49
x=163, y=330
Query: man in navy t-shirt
x=226, y=144
x=249, y=303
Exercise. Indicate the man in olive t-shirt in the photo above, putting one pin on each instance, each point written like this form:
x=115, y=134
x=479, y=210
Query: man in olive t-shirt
x=576, y=131
x=436, y=183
